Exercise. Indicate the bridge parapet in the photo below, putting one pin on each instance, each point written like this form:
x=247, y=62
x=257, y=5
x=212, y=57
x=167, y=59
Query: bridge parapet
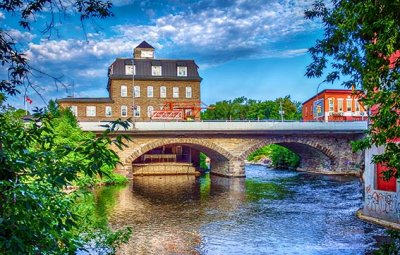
x=242, y=126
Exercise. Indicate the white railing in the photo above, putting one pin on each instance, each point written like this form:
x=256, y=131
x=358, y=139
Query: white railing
x=356, y=126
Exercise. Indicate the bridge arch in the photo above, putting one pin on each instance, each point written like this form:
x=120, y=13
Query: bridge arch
x=313, y=156
x=221, y=159
x=211, y=149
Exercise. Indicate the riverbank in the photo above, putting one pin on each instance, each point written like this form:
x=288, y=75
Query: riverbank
x=384, y=223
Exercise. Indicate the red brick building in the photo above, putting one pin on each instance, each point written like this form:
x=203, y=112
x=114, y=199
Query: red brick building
x=139, y=87
x=334, y=105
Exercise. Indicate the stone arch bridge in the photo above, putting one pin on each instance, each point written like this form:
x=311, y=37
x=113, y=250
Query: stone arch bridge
x=322, y=147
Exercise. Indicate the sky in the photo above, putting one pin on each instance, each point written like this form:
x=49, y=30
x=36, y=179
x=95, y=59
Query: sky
x=251, y=48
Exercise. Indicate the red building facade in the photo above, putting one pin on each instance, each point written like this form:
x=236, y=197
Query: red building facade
x=334, y=105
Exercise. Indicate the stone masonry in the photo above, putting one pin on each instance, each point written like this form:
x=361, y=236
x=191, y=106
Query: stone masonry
x=228, y=152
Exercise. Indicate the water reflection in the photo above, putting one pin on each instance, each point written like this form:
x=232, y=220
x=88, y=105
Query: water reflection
x=269, y=212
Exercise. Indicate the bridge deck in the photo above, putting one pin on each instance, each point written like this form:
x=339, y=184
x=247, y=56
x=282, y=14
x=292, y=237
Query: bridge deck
x=236, y=127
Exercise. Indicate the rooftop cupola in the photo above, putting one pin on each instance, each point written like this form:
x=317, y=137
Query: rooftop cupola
x=144, y=51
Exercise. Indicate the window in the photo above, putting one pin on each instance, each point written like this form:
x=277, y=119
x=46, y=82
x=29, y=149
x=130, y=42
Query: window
x=156, y=70
x=149, y=91
x=340, y=104
x=306, y=111
x=188, y=92
x=331, y=105
x=146, y=54
x=90, y=111
x=108, y=111
x=124, y=111
x=74, y=110
x=181, y=71
x=349, y=107
x=124, y=91
x=136, y=111
x=357, y=105
x=129, y=70
x=150, y=110
x=175, y=92
x=136, y=90
x=163, y=92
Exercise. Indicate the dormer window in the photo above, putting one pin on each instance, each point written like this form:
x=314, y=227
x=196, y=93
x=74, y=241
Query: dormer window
x=181, y=71
x=130, y=70
x=156, y=70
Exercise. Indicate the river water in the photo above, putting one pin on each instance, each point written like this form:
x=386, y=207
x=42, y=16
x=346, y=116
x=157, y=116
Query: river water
x=268, y=212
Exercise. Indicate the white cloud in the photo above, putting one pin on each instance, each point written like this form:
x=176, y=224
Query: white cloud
x=20, y=36
x=2, y=16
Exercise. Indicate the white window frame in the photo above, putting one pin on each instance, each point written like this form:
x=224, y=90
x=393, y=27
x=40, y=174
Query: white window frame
x=124, y=91
x=108, y=109
x=156, y=70
x=163, y=92
x=357, y=105
x=136, y=111
x=175, y=92
x=136, y=91
x=150, y=110
x=340, y=105
x=181, y=71
x=74, y=110
x=150, y=91
x=124, y=108
x=91, y=111
x=347, y=104
x=188, y=91
x=129, y=71
x=331, y=105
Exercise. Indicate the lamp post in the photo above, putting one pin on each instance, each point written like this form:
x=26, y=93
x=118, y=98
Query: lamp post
x=316, y=102
x=133, y=94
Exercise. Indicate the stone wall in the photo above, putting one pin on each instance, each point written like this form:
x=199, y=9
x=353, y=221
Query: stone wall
x=319, y=153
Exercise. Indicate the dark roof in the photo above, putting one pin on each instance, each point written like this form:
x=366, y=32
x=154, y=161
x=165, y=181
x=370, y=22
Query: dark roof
x=143, y=69
x=86, y=99
x=144, y=44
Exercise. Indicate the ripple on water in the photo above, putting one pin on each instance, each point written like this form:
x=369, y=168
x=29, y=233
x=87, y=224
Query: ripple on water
x=271, y=212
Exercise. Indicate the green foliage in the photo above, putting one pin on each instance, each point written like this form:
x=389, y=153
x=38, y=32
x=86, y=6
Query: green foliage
x=359, y=39
x=280, y=156
x=393, y=247
x=37, y=163
x=248, y=109
x=203, y=164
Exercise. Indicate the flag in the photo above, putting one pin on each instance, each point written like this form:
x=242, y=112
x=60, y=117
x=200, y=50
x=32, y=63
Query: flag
x=27, y=99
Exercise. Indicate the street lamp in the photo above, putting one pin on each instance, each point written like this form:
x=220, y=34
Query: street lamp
x=316, y=101
x=133, y=94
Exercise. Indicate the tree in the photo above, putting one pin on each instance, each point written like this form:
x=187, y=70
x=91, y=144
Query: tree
x=36, y=163
x=361, y=46
x=248, y=109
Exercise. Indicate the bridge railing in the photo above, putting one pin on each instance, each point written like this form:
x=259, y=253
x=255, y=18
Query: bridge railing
x=358, y=126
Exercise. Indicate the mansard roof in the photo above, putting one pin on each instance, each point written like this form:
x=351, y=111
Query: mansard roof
x=143, y=69
x=144, y=44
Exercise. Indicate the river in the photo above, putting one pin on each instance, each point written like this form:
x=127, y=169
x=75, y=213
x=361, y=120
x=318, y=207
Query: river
x=268, y=212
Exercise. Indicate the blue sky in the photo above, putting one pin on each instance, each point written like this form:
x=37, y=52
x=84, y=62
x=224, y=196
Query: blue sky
x=251, y=48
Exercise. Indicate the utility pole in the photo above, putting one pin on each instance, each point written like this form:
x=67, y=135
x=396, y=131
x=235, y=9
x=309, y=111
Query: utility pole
x=134, y=108
x=281, y=112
